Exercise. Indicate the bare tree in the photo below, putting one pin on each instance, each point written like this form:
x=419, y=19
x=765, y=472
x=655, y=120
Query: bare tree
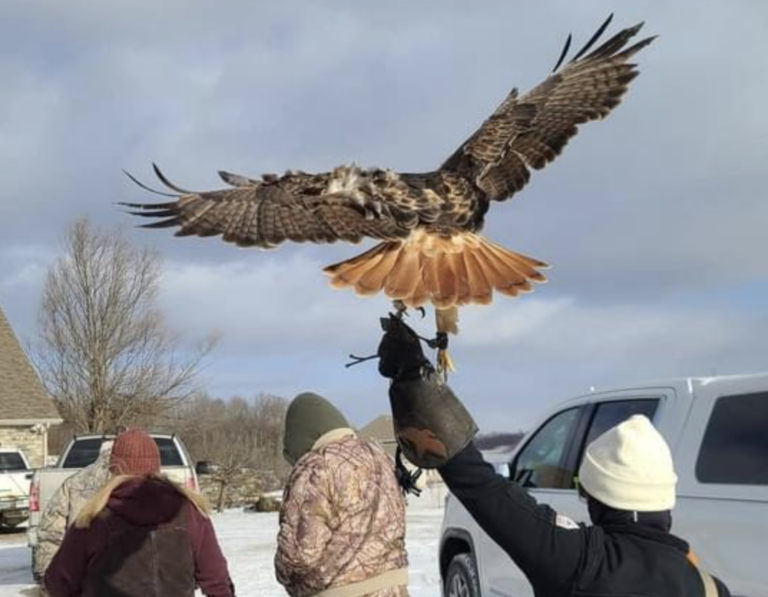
x=232, y=446
x=242, y=438
x=103, y=350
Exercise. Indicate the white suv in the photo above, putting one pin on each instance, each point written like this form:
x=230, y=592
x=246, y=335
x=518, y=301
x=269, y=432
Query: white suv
x=718, y=430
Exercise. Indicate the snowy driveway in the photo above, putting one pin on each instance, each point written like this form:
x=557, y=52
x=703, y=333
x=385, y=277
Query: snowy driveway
x=248, y=541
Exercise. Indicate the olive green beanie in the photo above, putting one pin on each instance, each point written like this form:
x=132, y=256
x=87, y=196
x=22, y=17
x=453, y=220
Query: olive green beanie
x=308, y=418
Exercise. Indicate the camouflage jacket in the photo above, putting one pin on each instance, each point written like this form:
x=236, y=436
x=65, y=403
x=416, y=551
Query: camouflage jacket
x=62, y=509
x=342, y=522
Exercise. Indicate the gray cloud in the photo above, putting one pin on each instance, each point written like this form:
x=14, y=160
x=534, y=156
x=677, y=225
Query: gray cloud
x=649, y=219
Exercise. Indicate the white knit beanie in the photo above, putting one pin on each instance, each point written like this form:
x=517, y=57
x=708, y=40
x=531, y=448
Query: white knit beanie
x=630, y=468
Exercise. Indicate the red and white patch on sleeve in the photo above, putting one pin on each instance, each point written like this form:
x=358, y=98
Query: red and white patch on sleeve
x=565, y=523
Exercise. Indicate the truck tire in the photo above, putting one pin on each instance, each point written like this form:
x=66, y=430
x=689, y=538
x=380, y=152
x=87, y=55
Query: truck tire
x=461, y=580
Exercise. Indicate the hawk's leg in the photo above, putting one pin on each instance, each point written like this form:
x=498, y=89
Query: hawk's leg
x=447, y=322
x=444, y=361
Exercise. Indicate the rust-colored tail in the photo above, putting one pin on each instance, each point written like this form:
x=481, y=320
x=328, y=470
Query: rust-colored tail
x=446, y=271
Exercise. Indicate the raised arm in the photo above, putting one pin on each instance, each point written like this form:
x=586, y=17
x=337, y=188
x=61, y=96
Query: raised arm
x=435, y=431
x=549, y=554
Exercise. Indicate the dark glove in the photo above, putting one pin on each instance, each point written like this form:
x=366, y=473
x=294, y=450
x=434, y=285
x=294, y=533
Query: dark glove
x=431, y=424
x=400, y=354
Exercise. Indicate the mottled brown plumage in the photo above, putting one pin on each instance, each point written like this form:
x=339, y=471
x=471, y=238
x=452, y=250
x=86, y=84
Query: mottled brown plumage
x=428, y=222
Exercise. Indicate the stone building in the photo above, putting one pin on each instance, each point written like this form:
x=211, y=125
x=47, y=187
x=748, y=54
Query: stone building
x=26, y=410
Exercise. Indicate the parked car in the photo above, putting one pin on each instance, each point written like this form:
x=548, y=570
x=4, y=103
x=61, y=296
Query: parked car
x=83, y=450
x=717, y=428
x=14, y=487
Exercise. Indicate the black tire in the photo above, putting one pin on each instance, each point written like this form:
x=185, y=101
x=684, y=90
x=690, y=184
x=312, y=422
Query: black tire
x=461, y=580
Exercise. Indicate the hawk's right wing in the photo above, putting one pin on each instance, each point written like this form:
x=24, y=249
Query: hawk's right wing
x=530, y=131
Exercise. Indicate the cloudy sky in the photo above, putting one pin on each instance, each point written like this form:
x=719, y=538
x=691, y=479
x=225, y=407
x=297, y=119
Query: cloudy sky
x=654, y=220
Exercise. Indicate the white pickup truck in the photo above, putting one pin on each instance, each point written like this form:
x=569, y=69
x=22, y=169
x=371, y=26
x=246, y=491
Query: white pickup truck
x=14, y=487
x=83, y=450
x=717, y=428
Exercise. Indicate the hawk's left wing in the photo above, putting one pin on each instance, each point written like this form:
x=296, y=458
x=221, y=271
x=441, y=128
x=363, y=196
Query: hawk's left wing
x=530, y=131
x=347, y=204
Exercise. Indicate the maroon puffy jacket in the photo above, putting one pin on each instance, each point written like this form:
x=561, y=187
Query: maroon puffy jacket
x=149, y=541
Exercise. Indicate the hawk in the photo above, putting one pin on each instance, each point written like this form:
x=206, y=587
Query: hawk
x=428, y=224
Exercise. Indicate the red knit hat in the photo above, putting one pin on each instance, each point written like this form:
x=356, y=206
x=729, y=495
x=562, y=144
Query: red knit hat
x=134, y=453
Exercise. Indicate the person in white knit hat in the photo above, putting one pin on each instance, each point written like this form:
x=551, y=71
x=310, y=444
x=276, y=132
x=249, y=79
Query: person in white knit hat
x=630, y=468
x=627, y=477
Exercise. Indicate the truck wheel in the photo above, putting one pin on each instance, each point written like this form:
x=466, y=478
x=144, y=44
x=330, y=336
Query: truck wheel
x=461, y=579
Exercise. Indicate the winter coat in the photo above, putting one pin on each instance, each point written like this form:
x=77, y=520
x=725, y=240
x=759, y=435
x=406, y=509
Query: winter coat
x=63, y=507
x=342, y=522
x=149, y=541
x=618, y=558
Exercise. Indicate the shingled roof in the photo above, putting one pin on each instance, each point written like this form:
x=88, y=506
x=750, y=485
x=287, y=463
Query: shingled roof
x=382, y=431
x=381, y=428
x=22, y=397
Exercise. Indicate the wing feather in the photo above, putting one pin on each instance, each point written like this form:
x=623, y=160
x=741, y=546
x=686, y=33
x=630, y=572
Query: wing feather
x=346, y=204
x=531, y=130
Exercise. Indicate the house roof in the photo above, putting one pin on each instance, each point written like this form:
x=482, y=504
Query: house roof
x=22, y=396
x=381, y=429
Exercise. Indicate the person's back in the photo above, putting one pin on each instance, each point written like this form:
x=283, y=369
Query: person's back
x=142, y=542
x=643, y=556
x=342, y=524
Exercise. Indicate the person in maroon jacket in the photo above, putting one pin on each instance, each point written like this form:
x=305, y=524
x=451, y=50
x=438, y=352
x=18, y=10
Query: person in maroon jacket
x=140, y=536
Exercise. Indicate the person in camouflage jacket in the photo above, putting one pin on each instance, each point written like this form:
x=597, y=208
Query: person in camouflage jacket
x=342, y=521
x=62, y=509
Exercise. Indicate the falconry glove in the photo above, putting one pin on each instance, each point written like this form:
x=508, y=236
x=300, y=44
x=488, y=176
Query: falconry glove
x=431, y=423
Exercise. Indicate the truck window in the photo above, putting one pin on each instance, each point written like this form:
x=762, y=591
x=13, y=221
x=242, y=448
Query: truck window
x=82, y=453
x=540, y=463
x=11, y=461
x=609, y=414
x=169, y=452
x=86, y=451
x=735, y=446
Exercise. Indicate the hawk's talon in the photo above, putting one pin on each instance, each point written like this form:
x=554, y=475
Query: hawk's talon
x=445, y=363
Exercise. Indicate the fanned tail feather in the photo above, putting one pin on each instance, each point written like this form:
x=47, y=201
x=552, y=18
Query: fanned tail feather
x=446, y=271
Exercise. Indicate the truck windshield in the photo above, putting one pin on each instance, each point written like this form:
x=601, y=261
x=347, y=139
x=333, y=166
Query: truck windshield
x=85, y=451
x=169, y=452
x=12, y=461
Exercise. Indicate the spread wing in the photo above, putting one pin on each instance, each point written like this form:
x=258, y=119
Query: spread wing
x=530, y=131
x=346, y=204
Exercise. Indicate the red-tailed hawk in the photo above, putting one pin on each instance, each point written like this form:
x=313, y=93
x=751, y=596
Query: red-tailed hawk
x=428, y=222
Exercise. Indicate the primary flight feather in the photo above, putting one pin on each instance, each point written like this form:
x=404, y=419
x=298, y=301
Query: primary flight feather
x=428, y=222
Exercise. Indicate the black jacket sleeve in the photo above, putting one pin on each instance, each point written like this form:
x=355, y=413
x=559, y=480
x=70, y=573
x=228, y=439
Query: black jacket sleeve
x=550, y=556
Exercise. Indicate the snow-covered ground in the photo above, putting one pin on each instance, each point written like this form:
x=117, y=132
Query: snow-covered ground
x=248, y=541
